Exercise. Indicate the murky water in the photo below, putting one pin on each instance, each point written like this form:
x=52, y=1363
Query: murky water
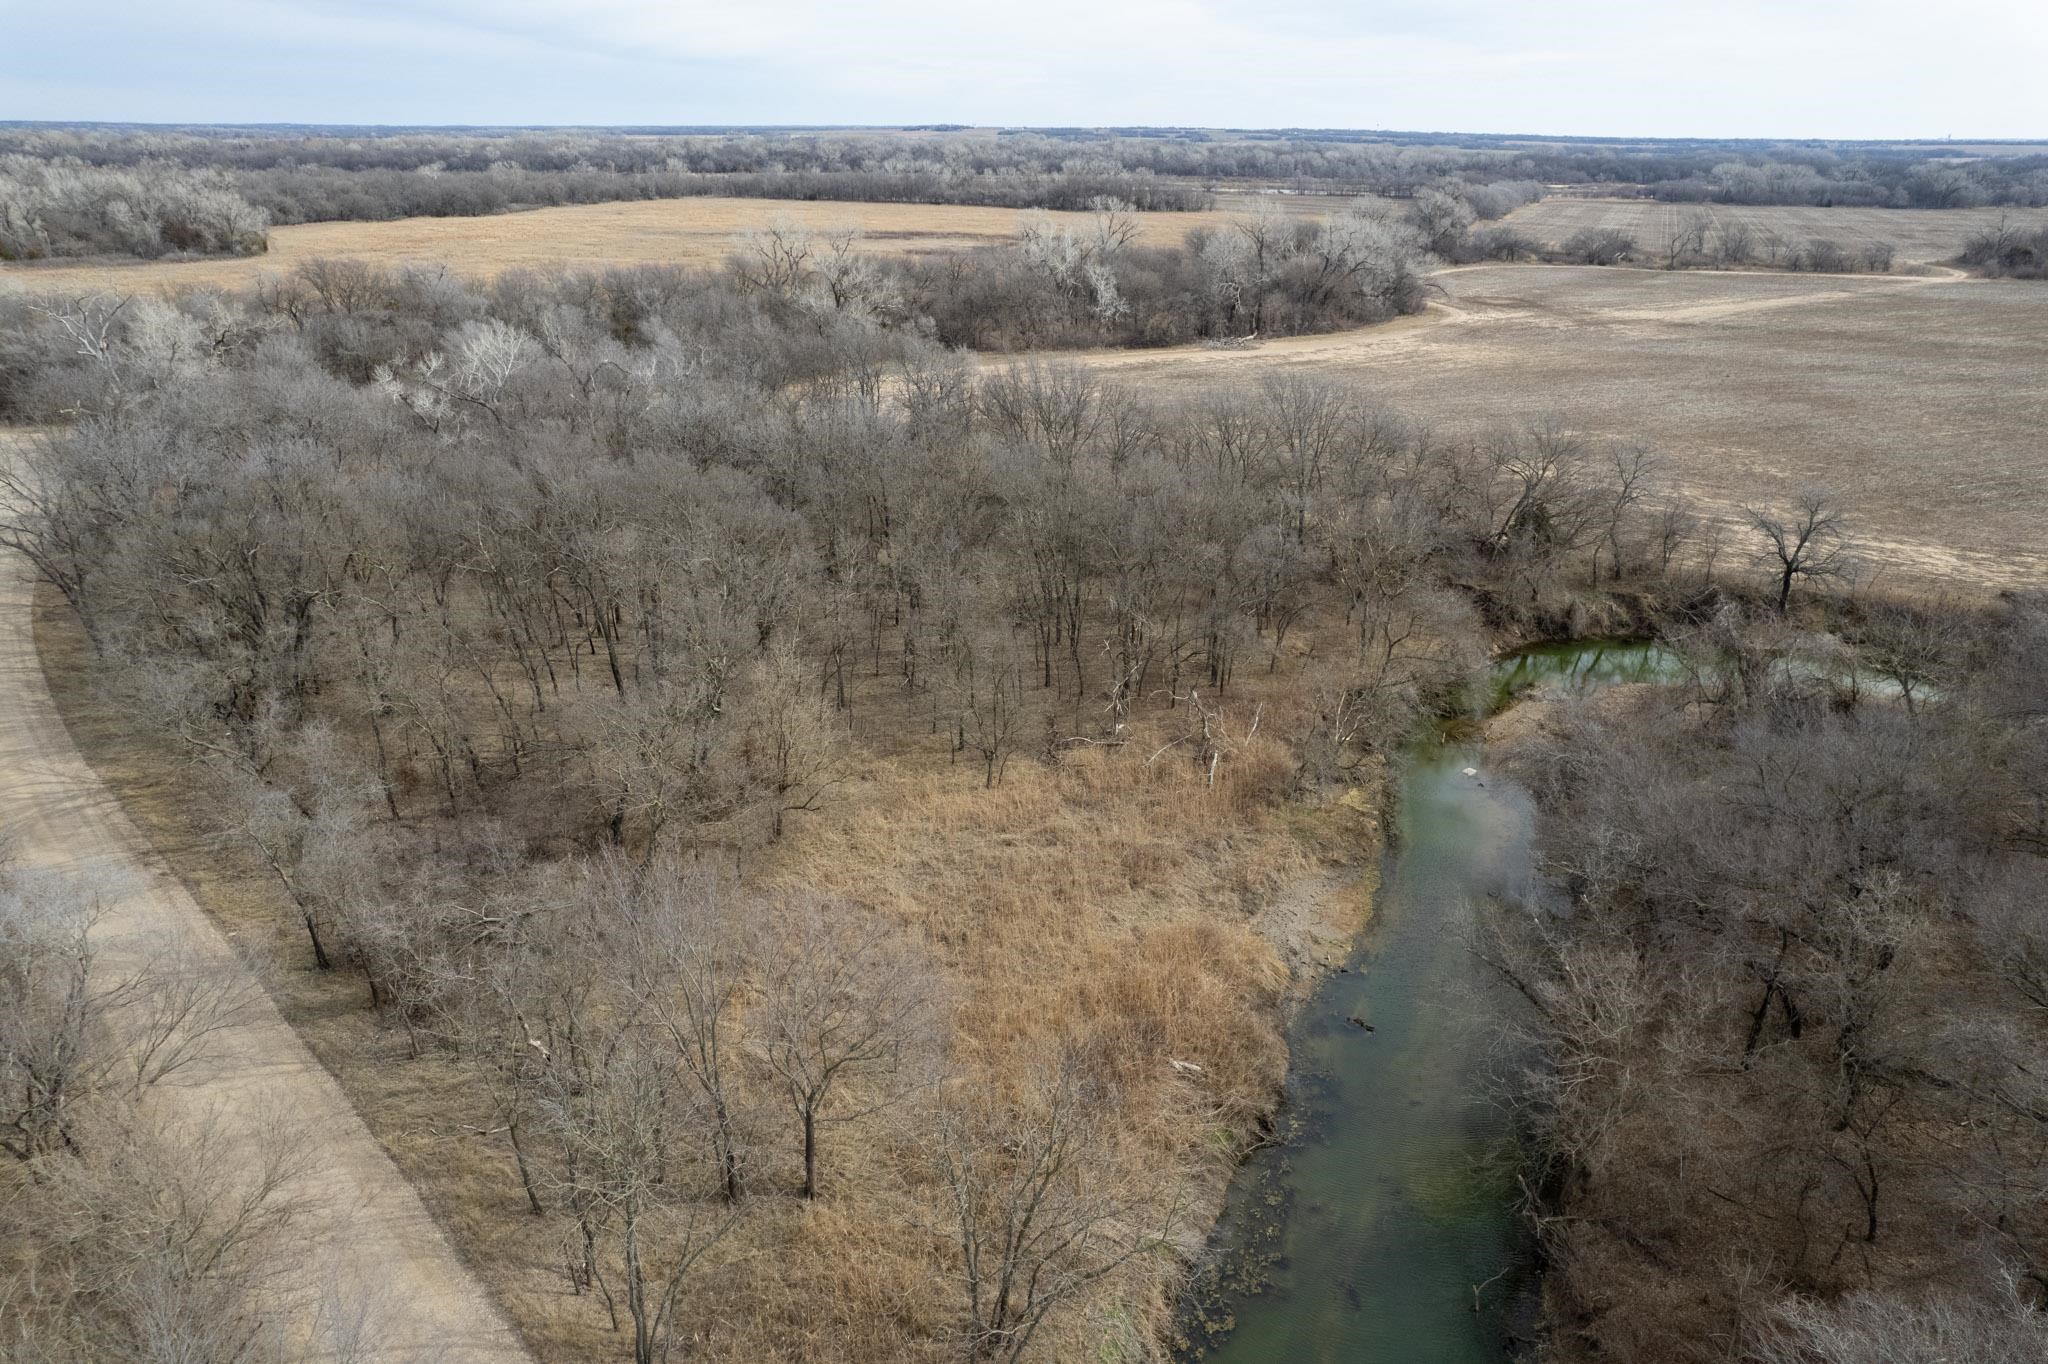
x=1582, y=665
x=1382, y=1230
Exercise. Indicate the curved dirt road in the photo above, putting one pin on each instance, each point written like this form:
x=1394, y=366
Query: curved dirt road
x=360, y=1230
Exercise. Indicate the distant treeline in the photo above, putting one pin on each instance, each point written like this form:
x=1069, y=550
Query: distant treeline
x=1828, y=181
x=294, y=178
x=1035, y=167
x=1063, y=285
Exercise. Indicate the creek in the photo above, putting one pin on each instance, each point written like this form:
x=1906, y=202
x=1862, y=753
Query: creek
x=1380, y=1227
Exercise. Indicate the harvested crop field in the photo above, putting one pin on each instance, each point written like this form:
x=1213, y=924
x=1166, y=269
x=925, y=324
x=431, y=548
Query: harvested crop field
x=694, y=232
x=1920, y=399
x=1919, y=234
x=1919, y=396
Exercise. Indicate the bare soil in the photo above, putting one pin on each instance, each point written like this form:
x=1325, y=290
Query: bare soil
x=1919, y=399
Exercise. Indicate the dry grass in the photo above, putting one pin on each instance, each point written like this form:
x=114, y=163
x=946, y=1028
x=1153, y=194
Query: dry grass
x=1919, y=234
x=1920, y=400
x=1107, y=890
x=690, y=232
x=1111, y=898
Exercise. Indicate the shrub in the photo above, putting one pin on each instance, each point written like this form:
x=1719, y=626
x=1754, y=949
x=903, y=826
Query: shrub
x=1599, y=246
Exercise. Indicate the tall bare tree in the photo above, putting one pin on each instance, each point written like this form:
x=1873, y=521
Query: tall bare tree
x=1810, y=543
x=848, y=1021
x=1042, y=1209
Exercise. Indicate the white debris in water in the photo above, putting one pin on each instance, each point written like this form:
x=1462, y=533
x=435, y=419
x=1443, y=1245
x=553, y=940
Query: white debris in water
x=1471, y=771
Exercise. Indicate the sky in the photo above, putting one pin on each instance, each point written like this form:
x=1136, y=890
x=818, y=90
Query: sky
x=1647, y=68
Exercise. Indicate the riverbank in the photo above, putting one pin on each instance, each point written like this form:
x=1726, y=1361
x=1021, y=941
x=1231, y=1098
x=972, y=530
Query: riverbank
x=1379, y=1224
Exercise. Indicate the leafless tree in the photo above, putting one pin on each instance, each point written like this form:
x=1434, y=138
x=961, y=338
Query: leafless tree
x=788, y=739
x=1264, y=232
x=160, y=1243
x=71, y=1033
x=1734, y=241
x=1874, y=1328
x=315, y=840
x=1635, y=469
x=1443, y=217
x=1810, y=544
x=848, y=1019
x=1042, y=1210
x=1912, y=647
x=1685, y=237
x=991, y=695
x=692, y=941
x=627, y=1132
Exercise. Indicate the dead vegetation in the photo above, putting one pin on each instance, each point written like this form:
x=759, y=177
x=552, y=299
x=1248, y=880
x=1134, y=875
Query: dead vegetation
x=1787, y=1103
x=527, y=670
x=1913, y=398
x=566, y=681
x=1770, y=233
x=1105, y=897
x=696, y=233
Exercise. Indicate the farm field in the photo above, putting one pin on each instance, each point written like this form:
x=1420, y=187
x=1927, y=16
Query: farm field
x=1918, y=396
x=1919, y=234
x=1918, y=399
x=760, y=806
x=691, y=232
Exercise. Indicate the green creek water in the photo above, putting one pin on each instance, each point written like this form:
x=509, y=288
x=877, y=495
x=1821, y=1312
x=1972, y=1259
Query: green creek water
x=1361, y=1236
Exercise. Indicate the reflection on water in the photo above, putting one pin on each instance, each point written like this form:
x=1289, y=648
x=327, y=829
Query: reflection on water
x=1393, y=1201
x=1381, y=1229
x=1374, y=1229
x=1582, y=665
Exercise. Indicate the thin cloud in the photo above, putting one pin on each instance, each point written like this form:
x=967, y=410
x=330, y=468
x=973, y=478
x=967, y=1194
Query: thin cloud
x=1875, y=68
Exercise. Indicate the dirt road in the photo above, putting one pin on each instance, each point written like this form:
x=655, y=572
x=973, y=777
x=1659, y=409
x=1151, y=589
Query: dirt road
x=361, y=1229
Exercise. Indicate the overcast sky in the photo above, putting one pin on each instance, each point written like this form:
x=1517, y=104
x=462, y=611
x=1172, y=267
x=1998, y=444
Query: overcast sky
x=1795, y=68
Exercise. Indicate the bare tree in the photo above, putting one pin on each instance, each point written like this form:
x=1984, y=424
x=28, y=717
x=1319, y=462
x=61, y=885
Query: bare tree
x=777, y=258
x=789, y=741
x=159, y=1243
x=622, y=1124
x=1734, y=241
x=1264, y=232
x=847, y=1021
x=1911, y=647
x=1042, y=1211
x=71, y=1034
x=691, y=943
x=1876, y=1328
x=1685, y=237
x=315, y=840
x=1811, y=543
x=1442, y=217
x=1307, y=421
x=1635, y=468
x=991, y=694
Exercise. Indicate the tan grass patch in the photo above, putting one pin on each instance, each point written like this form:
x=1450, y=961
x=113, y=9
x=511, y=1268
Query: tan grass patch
x=1919, y=400
x=1109, y=899
x=689, y=232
